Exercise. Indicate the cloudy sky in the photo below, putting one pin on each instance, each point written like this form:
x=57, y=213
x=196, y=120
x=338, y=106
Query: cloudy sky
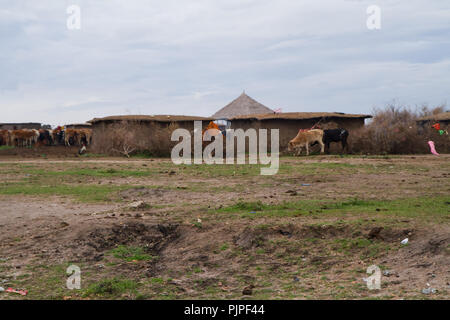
x=195, y=56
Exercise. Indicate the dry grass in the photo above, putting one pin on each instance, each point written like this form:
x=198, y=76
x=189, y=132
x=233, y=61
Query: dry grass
x=394, y=130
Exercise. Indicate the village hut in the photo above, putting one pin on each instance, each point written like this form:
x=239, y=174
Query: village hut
x=442, y=118
x=150, y=134
x=289, y=123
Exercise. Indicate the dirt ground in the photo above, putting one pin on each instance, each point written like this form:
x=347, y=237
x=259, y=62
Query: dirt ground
x=149, y=229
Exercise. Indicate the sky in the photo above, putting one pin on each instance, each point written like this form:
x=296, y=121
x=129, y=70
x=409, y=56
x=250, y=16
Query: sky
x=192, y=57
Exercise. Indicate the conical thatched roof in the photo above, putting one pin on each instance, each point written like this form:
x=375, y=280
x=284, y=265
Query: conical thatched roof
x=241, y=106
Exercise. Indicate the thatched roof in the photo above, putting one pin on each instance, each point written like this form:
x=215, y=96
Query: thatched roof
x=87, y=124
x=300, y=116
x=144, y=118
x=444, y=116
x=242, y=105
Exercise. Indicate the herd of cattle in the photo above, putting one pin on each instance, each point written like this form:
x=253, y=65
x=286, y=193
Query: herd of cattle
x=58, y=136
x=313, y=136
x=83, y=138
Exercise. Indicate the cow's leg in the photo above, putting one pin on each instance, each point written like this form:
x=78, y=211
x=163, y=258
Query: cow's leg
x=344, y=145
x=307, y=148
x=328, y=147
x=322, y=146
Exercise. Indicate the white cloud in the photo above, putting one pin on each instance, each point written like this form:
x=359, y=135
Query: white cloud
x=193, y=57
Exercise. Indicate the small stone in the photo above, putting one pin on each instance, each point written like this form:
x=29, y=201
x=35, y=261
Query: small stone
x=429, y=290
x=138, y=205
x=248, y=291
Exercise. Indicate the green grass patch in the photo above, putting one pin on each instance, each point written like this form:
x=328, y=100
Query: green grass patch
x=6, y=147
x=88, y=172
x=83, y=193
x=426, y=207
x=129, y=253
x=112, y=287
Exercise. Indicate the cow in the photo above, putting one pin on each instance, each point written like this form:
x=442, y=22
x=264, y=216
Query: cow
x=304, y=138
x=77, y=137
x=58, y=136
x=35, y=137
x=45, y=137
x=5, y=138
x=24, y=137
x=85, y=136
x=335, y=135
x=71, y=136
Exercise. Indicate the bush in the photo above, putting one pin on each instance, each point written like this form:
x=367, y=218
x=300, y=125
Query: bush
x=394, y=130
x=112, y=286
x=130, y=138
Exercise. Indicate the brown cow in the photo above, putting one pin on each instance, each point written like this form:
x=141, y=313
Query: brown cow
x=70, y=135
x=5, y=138
x=304, y=138
x=58, y=136
x=85, y=136
x=24, y=137
x=77, y=136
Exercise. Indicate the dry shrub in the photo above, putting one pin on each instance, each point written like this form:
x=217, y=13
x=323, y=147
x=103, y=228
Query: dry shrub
x=394, y=130
x=129, y=137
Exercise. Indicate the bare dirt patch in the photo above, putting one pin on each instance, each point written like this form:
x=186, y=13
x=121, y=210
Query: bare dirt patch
x=309, y=232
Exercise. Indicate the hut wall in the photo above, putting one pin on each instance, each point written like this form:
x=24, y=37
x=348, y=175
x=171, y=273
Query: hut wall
x=288, y=128
x=445, y=124
x=19, y=126
x=153, y=137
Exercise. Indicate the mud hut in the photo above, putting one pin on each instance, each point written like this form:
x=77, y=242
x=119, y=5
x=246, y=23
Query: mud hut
x=289, y=123
x=149, y=134
x=442, y=118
